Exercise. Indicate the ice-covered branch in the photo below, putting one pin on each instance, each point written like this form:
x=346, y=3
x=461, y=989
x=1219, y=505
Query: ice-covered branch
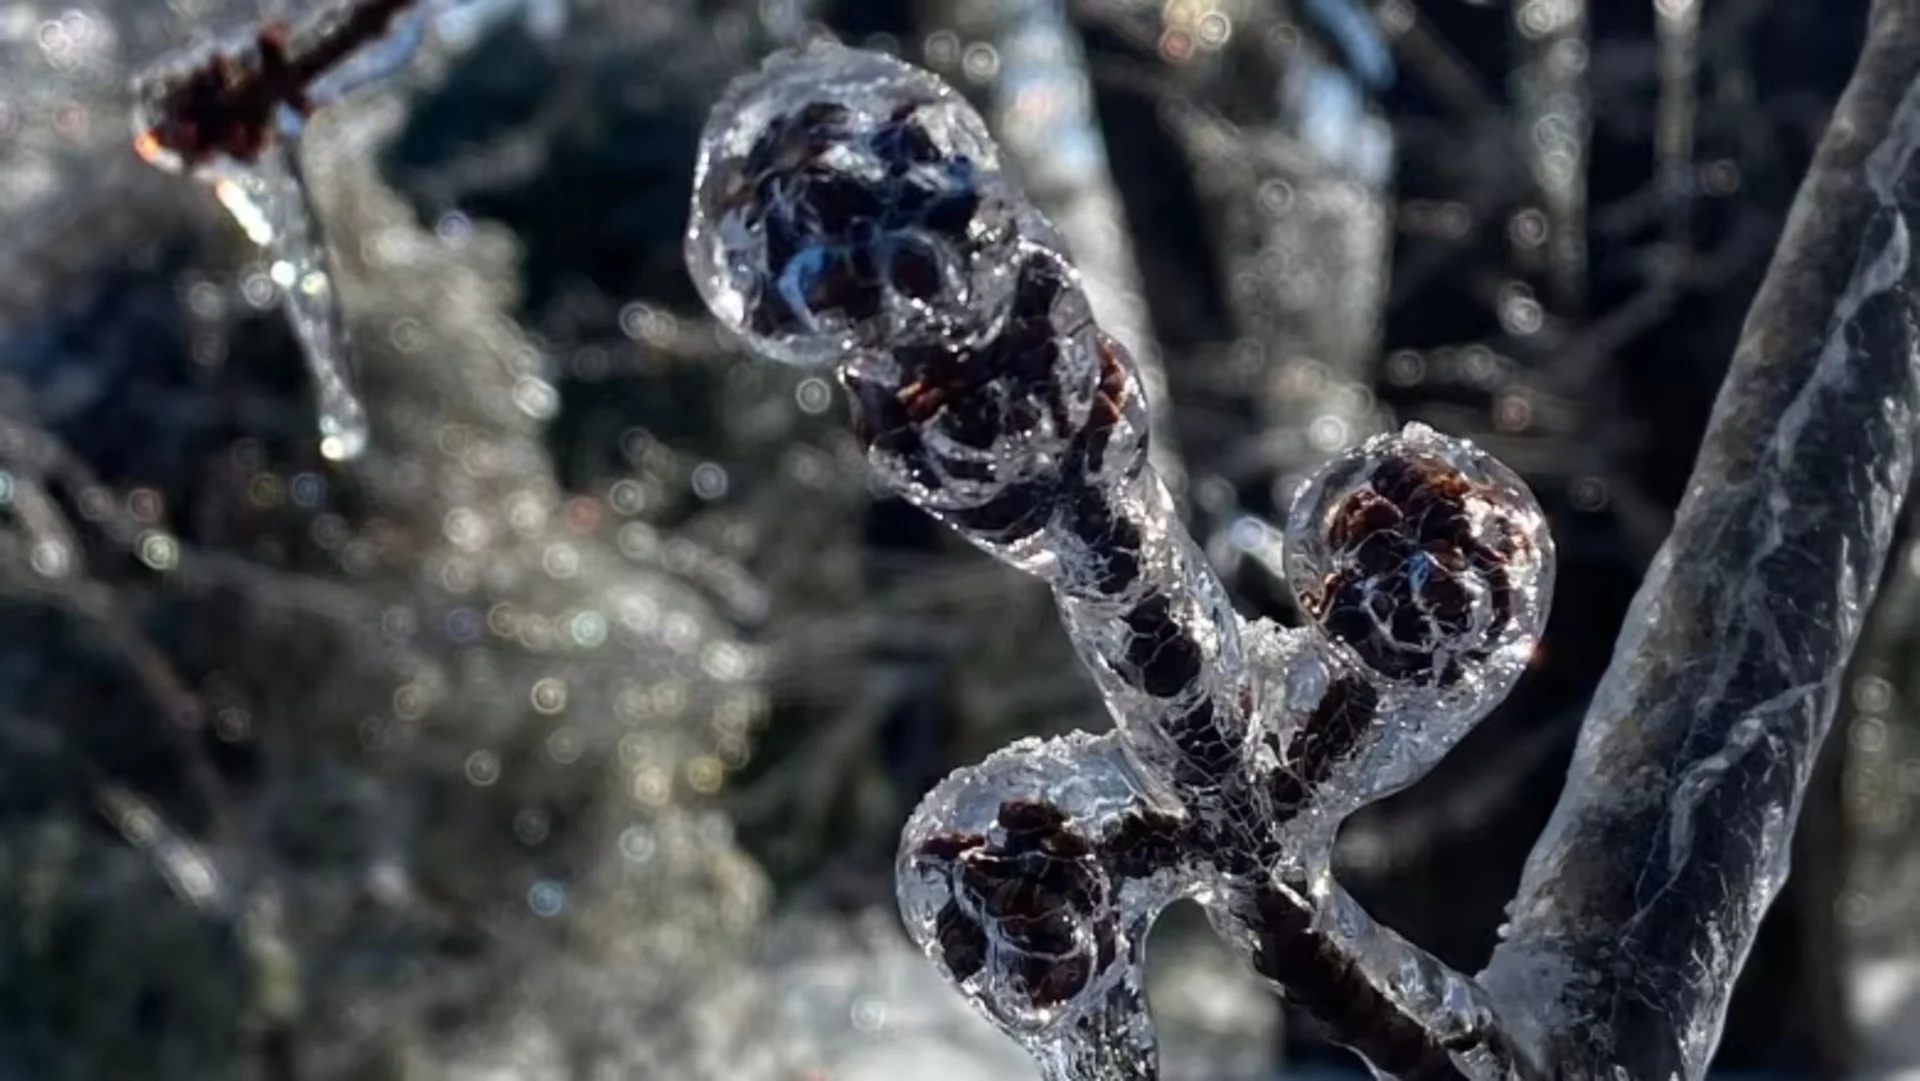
x=850, y=212
x=1642, y=898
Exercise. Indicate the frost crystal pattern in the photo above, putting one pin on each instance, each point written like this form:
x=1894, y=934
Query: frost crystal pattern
x=848, y=211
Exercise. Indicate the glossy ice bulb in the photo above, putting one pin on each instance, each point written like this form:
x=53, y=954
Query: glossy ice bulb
x=1031, y=880
x=844, y=202
x=1426, y=565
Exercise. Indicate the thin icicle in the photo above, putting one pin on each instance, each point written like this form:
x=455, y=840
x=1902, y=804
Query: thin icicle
x=273, y=205
x=231, y=116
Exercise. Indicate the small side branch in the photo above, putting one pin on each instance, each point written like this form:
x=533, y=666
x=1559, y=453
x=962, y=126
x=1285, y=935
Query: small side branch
x=1642, y=898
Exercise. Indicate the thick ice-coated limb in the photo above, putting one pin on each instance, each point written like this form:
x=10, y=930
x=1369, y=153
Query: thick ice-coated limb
x=1642, y=898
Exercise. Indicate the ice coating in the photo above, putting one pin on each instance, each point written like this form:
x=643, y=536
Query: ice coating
x=993, y=402
x=1038, y=873
x=231, y=115
x=961, y=425
x=848, y=201
x=1426, y=567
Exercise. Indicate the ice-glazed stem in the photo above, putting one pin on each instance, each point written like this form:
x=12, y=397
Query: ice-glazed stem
x=1369, y=990
x=1639, y=904
x=849, y=212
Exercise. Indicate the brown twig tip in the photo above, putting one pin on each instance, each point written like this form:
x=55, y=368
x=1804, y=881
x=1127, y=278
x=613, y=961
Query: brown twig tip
x=223, y=106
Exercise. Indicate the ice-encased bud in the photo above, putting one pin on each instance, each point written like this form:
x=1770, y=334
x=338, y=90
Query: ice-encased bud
x=1031, y=878
x=1029, y=908
x=1426, y=563
x=954, y=426
x=845, y=201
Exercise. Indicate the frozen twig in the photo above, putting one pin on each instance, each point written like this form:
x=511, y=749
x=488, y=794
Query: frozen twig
x=1642, y=898
x=850, y=212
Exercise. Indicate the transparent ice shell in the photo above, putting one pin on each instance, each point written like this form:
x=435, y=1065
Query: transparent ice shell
x=847, y=202
x=1031, y=880
x=955, y=426
x=1426, y=563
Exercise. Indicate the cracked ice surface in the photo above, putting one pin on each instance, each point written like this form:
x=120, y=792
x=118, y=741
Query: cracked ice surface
x=1672, y=836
